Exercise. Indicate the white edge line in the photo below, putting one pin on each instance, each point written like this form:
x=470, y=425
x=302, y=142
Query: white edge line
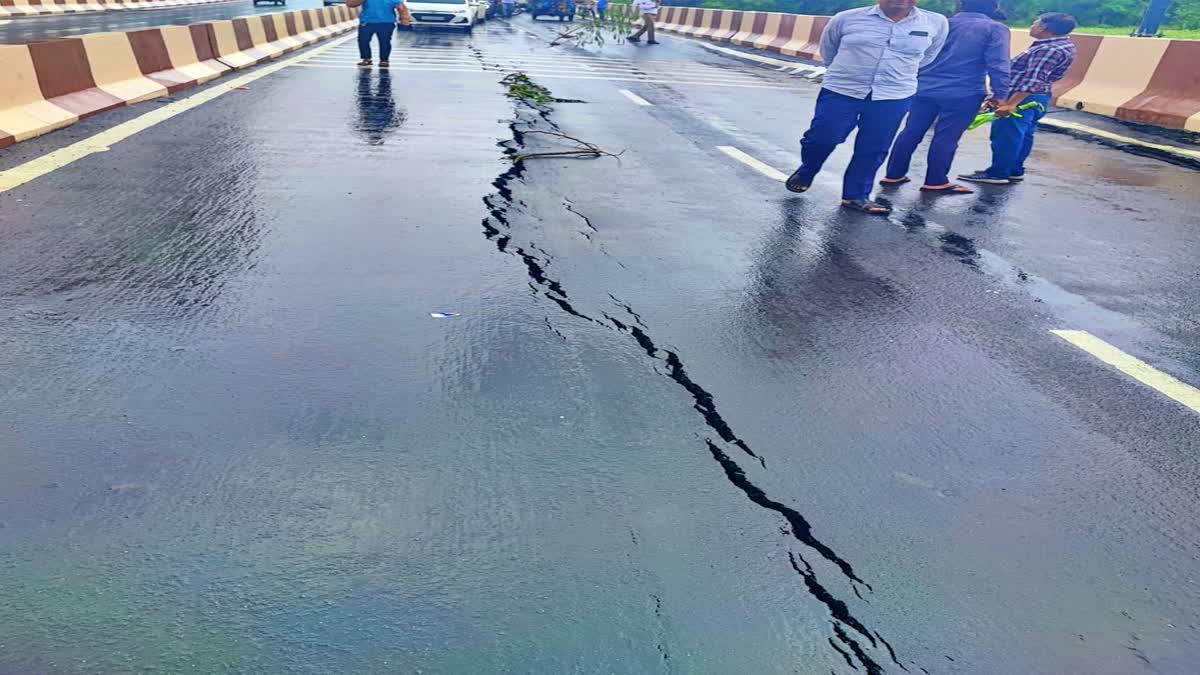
x=1139, y=370
x=761, y=167
x=634, y=97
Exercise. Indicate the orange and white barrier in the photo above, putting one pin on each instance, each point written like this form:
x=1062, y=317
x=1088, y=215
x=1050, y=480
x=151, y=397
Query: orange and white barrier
x=1146, y=80
x=48, y=85
x=48, y=7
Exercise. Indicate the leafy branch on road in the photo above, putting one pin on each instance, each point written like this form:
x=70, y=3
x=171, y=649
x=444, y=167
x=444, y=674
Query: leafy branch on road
x=522, y=88
x=614, y=26
x=582, y=149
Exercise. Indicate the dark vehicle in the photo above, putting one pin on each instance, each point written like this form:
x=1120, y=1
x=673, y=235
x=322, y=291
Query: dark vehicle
x=273, y=2
x=563, y=9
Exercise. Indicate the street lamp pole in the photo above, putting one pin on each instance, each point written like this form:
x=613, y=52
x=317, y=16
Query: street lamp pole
x=1156, y=11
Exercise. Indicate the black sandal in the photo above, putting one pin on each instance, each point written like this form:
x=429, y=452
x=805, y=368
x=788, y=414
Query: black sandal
x=796, y=184
x=951, y=189
x=866, y=206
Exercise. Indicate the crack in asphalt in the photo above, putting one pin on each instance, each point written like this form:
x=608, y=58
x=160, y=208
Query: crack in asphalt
x=498, y=205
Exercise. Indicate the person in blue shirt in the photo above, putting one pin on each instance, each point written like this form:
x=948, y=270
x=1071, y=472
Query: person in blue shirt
x=950, y=91
x=378, y=20
x=872, y=55
x=601, y=8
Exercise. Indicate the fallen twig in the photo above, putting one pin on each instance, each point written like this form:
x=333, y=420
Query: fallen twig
x=583, y=149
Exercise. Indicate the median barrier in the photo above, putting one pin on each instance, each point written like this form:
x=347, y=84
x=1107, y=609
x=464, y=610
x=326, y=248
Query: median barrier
x=1145, y=80
x=49, y=85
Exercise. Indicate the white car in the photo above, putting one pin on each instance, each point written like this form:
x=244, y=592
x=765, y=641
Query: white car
x=448, y=13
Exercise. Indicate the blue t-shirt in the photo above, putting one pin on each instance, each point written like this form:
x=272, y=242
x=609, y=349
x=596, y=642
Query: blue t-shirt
x=379, y=11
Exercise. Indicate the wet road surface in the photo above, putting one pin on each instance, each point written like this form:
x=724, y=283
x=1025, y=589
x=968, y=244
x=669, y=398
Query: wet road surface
x=683, y=422
x=34, y=28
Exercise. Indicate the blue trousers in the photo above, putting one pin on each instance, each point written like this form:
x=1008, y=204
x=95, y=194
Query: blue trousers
x=952, y=117
x=835, y=117
x=1012, y=139
x=381, y=32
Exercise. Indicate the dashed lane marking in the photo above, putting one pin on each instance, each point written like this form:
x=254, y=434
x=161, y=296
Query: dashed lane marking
x=1139, y=370
x=634, y=97
x=103, y=141
x=761, y=167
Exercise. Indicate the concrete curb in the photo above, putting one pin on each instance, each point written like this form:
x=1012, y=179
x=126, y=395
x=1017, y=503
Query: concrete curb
x=9, y=8
x=49, y=85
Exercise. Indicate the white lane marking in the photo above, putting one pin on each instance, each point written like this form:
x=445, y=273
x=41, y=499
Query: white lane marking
x=1108, y=135
x=792, y=66
x=103, y=141
x=634, y=97
x=761, y=167
x=1139, y=370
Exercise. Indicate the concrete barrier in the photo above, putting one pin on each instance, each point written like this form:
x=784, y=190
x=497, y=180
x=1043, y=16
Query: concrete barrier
x=1146, y=80
x=48, y=85
x=48, y=7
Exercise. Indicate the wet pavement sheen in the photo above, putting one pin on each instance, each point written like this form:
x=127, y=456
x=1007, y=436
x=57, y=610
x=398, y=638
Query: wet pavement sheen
x=679, y=421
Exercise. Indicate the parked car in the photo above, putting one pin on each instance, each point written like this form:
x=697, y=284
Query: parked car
x=458, y=14
x=328, y=3
x=563, y=9
x=273, y=2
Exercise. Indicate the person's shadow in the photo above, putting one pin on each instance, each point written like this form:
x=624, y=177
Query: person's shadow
x=378, y=117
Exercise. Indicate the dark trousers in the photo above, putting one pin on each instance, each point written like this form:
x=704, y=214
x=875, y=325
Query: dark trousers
x=647, y=27
x=507, y=8
x=949, y=118
x=381, y=32
x=1012, y=138
x=835, y=117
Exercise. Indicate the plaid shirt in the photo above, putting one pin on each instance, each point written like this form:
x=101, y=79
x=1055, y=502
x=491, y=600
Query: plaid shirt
x=1043, y=64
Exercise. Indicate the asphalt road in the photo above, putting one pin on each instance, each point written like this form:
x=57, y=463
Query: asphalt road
x=34, y=28
x=683, y=420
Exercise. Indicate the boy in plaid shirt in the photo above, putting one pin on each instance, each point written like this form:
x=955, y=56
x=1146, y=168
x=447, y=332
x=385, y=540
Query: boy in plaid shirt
x=1033, y=74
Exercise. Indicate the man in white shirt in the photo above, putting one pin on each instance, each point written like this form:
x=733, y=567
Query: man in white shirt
x=649, y=11
x=872, y=55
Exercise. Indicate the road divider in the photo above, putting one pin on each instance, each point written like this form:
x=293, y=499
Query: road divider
x=53, y=7
x=49, y=85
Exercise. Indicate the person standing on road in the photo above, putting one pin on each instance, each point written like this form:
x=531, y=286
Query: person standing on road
x=506, y=7
x=649, y=11
x=377, y=19
x=601, y=8
x=950, y=91
x=1034, y=72
x=872, y=56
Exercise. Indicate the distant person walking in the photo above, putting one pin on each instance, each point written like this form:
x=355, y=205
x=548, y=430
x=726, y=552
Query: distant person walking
x=377, y=20
x=950, y=91
x=649, y=11
x=1034, y=72
x=506, y=7
x=872, y=56
x=601, y=8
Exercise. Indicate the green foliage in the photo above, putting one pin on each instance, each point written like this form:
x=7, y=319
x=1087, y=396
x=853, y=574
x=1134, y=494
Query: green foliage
x=1184, y=14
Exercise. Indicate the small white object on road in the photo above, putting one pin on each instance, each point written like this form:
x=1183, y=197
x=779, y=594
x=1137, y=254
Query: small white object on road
x=635, y=98
x=444, y=315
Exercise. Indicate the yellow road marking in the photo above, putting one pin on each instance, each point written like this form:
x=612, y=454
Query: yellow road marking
x=103, y=141
x=1135, y=368
x=761, y=167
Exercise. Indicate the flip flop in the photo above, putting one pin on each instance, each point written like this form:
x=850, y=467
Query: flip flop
x=867, y=206
x=795, y=183
x=952, y=189
x=893, y=183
